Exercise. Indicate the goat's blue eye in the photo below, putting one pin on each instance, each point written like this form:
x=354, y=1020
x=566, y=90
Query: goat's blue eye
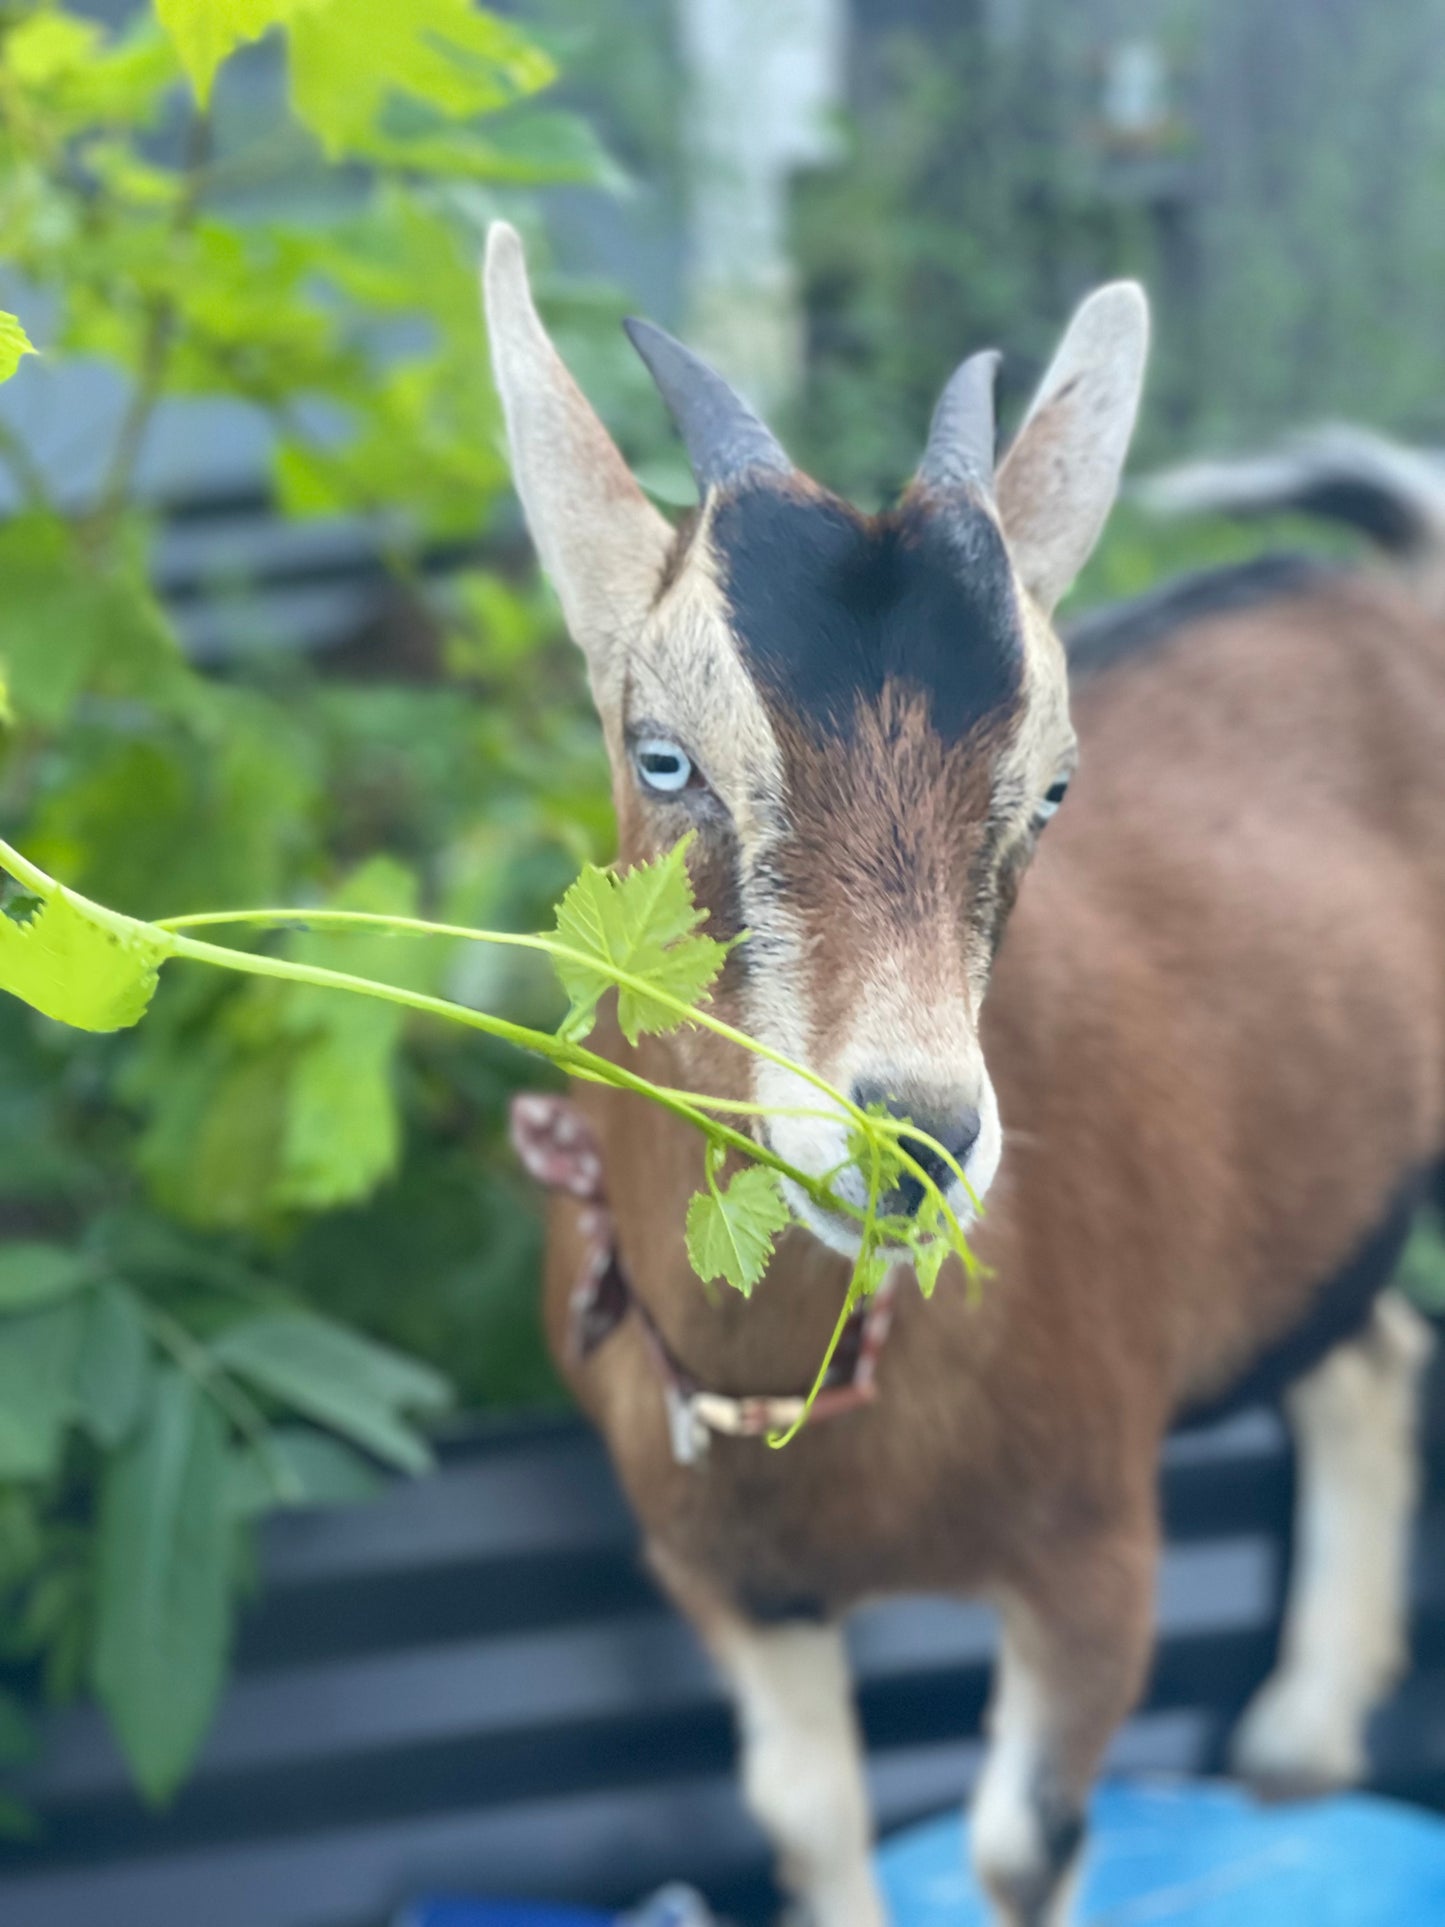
x=662, y=766
x=1053, y=796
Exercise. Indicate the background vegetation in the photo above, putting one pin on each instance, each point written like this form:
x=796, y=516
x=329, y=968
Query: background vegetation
x=291, y=1218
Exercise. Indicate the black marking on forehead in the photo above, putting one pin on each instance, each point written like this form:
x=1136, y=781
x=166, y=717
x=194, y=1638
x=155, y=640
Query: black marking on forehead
x=830, y=606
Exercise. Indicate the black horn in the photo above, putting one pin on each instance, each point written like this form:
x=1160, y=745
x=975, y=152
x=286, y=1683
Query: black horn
x=725, y=440
x=961, y=436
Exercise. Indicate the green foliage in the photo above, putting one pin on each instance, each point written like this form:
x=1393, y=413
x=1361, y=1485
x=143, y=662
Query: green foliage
x=732, y=1228
x=14, y=342
x=77, y=962
x=638, y=935
x=164, y=1581
x=644, y=924
x=183, y=1208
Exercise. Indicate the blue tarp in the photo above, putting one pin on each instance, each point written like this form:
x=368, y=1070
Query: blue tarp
x=1207, y=1856
x=1159, y=1856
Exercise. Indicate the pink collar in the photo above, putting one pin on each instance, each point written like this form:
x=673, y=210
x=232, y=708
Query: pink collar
x=560, y=1150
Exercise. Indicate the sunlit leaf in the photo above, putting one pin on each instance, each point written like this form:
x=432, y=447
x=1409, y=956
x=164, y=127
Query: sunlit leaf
x=731, y=1231
x=205, y=32
x=351, y=58
x=77, y=962
x=163, y=1613
x=644, y=923
x=14, y=343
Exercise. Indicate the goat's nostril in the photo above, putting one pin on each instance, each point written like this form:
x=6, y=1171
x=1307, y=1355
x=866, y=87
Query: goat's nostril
x=955, y=1130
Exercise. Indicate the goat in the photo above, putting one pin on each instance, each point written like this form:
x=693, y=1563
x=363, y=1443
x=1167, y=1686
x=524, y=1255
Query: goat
x=1215, y=1014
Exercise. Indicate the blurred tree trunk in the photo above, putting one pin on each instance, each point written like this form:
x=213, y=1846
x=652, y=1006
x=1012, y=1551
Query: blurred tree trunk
x=764, y=81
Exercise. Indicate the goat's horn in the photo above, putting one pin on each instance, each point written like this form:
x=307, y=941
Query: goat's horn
x=961, y=436
x=725, y=440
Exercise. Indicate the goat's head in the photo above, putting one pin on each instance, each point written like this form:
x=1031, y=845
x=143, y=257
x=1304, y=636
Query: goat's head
x=864, y=718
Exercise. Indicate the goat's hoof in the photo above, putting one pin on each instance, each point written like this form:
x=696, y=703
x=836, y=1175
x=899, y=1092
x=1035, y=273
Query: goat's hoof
x=1298, y=1739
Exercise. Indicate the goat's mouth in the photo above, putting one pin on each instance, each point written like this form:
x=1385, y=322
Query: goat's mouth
x=842, y=1231
x=835, y=1208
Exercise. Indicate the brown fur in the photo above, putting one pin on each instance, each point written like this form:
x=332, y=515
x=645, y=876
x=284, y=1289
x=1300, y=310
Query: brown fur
x=1217, y=1029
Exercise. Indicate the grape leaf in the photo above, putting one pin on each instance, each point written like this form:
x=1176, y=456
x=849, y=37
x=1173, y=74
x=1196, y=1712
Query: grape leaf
x=205, y=32
x=14, y=342
x=927, y=1258
x=77, y=962
x=352, y=59
x=730, y=1231
x=644, y=923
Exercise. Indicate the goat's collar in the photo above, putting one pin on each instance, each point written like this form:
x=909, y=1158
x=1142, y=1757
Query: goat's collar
x=559, y=1148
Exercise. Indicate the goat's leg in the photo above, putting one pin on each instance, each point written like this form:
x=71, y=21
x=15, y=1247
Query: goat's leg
x=1075, y=1650
x=802, y=1764
x=1354, y=1420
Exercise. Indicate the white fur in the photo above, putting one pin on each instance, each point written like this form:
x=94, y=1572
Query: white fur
x=1009, y=1851
x=803, y=1766
x=1354, y=1420
x=1058, y=481
x=601, y=541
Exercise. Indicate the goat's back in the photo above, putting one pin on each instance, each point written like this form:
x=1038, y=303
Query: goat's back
x=1218, y=1023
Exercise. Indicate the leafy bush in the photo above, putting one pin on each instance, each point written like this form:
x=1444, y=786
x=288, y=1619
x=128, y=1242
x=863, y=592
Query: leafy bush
x=189, y=1210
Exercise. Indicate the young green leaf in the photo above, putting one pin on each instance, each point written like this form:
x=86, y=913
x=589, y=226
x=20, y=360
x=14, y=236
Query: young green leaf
x=353, y=60
x=75, y=961
x=205, y=32
x=163, y=1614
x=927, y=1258
x=14, y=342
x=644, y=923
x=731, y=1230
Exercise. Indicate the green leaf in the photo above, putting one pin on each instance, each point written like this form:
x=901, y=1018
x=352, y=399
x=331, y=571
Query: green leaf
x=205, y=32
x=112, y=1370
x=38, y=1274
x=927, y=1258
x=644, y=923
x=352, y=61
x=69, y=626
x=362, y=1390
x=14, y=343
x=37, y=1373
x=73, y=960
x=297, y=1466
x=163, y=1605
x=731, y=1232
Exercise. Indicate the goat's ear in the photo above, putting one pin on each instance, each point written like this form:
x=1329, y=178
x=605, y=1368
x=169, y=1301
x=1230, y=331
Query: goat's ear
x=1058, y=481
x=599, y=538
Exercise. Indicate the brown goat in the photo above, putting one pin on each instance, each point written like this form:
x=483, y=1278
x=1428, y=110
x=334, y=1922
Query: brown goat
x=1216, y=1029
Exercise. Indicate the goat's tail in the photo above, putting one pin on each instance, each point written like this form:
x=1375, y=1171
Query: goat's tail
x=1392, y=494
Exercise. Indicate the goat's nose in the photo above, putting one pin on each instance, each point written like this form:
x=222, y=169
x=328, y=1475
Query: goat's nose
x=956, y=1129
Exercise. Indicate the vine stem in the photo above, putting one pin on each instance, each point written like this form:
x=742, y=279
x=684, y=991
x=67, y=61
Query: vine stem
x=893, y=1128
x=519, y=940
x=570, y=1056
